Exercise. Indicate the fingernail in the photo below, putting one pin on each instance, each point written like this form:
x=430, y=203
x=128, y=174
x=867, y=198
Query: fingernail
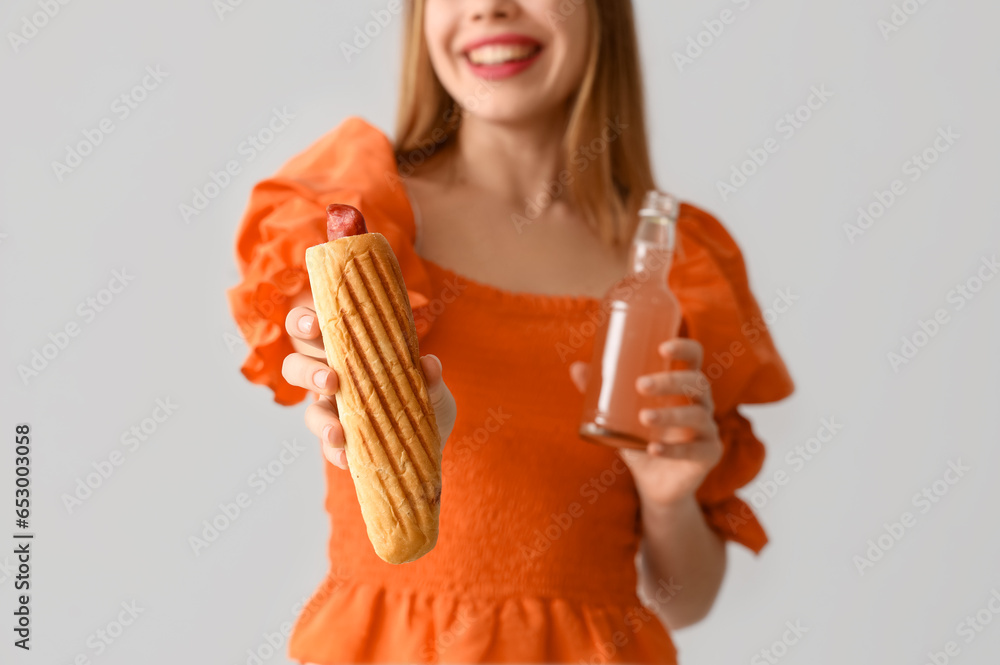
x=664, y=348
x=438, y=361
x=644, y=383
x=341, y=457
x=657, y=449
x=306, y=324
x=647, y=416
x=334, y=435
x=320, y=377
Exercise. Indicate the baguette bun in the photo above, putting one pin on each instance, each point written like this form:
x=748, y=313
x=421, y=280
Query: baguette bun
x=392, y=442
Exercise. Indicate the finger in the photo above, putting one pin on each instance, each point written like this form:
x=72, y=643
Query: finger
x=441, y=398
x=433, y=370
x=336, y=456
x=301, y=323
x=702, y=450
x=436, y=388
x=305, y=372
x=321, y=419
x=687, y=382
x=579, y=372
x=694, y=417
x=683, y=349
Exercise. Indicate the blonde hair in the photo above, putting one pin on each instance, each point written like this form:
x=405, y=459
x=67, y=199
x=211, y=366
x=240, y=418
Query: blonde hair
x=609, y=176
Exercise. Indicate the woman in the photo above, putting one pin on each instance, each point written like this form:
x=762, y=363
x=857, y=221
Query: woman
x=509, y=198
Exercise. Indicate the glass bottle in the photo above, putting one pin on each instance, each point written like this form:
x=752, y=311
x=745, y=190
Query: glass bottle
x=637, y=315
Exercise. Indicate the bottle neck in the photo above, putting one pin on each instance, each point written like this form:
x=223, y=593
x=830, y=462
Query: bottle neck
x=652, y=247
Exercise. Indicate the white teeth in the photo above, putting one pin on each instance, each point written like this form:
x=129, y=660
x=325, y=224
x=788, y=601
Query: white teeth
x=495, y=54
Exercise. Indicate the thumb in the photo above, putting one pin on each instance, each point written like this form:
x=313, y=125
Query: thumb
x=431, y=365
x=441, y=398
x=631, y=456
x=579, y=372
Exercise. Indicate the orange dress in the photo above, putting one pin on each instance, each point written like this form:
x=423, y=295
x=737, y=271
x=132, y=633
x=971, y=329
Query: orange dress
x=535, y=561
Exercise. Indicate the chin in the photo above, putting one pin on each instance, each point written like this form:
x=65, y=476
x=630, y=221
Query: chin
x=512, y=110
x=510, y=101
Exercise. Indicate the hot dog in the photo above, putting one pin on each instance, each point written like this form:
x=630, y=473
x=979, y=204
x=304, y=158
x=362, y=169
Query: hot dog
x=392, y=442
x=343, y=220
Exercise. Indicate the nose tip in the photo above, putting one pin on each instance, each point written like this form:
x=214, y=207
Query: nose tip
x=495, y=9
x=481, y=16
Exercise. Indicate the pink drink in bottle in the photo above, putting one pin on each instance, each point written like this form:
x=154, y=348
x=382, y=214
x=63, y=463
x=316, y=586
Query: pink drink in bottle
x=639, y=313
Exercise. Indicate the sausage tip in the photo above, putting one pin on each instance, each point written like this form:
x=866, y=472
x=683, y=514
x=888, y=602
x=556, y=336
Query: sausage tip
x=343, y=220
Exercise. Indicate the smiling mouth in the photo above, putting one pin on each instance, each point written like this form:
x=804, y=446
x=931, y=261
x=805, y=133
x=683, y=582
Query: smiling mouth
x=501, y=54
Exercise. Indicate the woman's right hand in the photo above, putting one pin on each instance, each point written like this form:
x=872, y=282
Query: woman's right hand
x=307, y=368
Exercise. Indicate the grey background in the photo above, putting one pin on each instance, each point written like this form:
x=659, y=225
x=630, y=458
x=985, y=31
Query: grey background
x=169, y=334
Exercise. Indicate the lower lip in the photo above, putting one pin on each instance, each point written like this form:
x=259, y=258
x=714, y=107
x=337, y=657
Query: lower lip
x=504, y=70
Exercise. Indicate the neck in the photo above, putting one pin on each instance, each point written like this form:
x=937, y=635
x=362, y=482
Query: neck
x=514, y=161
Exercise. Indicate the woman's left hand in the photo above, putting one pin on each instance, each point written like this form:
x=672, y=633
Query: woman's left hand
x=671, y=469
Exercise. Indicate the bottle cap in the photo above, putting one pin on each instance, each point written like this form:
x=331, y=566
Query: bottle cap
x=659, y=204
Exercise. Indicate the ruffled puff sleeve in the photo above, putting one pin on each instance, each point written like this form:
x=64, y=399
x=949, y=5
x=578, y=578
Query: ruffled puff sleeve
x=741, y=363
x=286, y=214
